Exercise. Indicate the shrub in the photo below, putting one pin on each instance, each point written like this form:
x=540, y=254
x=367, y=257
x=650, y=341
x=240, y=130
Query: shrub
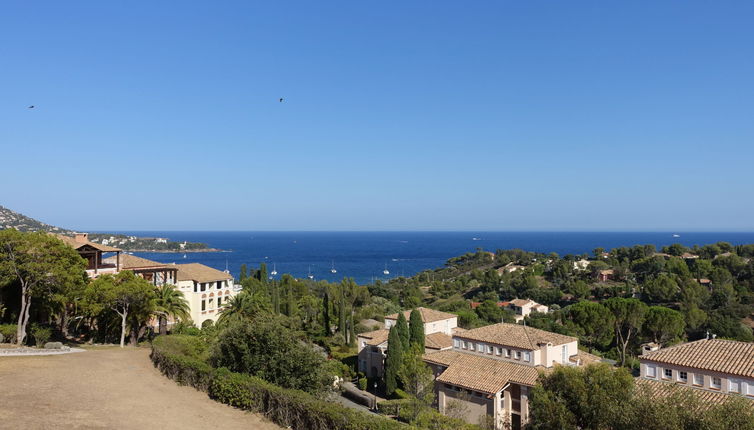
x=363, y=384
x=41, y=335
x=285, y=407
x=9, y=332
x=266, y=349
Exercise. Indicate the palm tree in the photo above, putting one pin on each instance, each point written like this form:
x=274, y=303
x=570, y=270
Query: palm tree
x=244, y=305
x=170, y=302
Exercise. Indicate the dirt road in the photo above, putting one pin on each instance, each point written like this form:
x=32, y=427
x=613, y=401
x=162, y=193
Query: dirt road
x=106, y=387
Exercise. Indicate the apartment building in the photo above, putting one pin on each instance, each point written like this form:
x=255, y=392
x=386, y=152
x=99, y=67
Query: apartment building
x=710, y=365
x=206, y=290
x=489, y=371
x=438, y=329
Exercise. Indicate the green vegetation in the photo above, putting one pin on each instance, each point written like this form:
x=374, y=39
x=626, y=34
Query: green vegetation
x=600, y=397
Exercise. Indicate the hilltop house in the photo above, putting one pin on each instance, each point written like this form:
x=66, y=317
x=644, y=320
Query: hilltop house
x=606, y=275
x=524, y=307
x=720, y=366
x=92, y=253
x=372, y=346
x=490, y=370
x=206, y=290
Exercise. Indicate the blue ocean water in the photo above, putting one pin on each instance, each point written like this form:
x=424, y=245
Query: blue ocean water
x=364, y=255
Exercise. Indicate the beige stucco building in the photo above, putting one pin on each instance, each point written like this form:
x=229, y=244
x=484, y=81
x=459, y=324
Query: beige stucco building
x=206, y=290
x=488, y=371
x=720, y=366
x=523, y=307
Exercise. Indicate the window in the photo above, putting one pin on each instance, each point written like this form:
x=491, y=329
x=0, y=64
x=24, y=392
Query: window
x=716, y=382
x=211, y=303
x=204, y=305
x=479, y=347
x=489, y=349
x=651, y=371
x=668, y=373
x=203, y=286
x=517, y=355
x=499, y=351
x=527, y=356
x=683, y=377
x=472, y=346
x=465, y=344
x=456, y=343
x=698, y=379
x=734, y=385
x=507, y=352
x=750, y=389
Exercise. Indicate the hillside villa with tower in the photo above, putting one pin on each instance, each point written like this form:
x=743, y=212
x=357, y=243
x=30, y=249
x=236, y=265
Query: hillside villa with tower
x=205, y=289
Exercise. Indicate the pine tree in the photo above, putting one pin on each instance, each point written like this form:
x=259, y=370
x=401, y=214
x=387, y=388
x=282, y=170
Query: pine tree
x=416, y=330
x=402, y=327
x=393, y=361
x=326, y=313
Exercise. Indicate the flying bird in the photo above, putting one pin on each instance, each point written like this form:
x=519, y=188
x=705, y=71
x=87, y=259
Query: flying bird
x=281, y=100
x=31, y=107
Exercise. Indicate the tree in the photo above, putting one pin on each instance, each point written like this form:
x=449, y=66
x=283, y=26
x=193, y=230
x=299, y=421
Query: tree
x=489, y=312
x=417, y=379
x=416, y=330
x=265, y=348
x=628, y=318
x=39, y=263
x=402, y=326
x=170, y=302
x=393, y=361
x=125, y=294
x=244, y=306
x=592, y=397
x=243, y=274
x=326, y=313
x=593, y=322
x=663, y=325
x=663, y=288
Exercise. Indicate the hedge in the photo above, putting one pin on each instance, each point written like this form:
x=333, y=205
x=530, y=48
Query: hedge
x=284, y=407
x=9, y=332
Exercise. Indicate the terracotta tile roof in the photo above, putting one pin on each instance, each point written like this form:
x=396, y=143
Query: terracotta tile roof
x=200, y=273
x=428, y=315
x=607, y=272
x=717, y=355
x=438, y=341
x=658, y=389
x=475, y=305
x=515, y=335
x=376, y=337
x=76, y=245
x=583, y=358
x=130, y=262
x=522, y=302
x=688, y=255
x=480, y=373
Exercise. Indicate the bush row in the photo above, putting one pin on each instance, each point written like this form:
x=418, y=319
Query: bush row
x=8, y=332
x=284, y=407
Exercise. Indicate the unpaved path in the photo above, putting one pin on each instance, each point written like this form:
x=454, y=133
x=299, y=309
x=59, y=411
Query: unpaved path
x=109, y=388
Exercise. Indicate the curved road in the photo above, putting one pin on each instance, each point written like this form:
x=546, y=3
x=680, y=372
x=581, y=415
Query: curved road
x=107, y=387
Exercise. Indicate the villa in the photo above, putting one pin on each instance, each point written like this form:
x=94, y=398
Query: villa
x=157, y=273
x=206, y=290
x=523, y=307
x=92, y=253
x=489, y=371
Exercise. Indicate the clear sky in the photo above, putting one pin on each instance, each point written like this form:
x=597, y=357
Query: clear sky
x=418, y=115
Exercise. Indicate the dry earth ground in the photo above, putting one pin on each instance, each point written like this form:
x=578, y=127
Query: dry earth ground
x=106, y=387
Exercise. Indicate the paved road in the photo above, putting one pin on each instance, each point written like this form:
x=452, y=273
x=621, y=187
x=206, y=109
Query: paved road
x=107, y=388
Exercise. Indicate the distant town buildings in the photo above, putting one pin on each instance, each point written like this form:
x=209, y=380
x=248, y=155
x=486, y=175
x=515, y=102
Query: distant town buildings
x=524, y=307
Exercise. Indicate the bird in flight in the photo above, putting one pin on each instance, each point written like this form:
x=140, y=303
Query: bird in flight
x=31, y=107
x=281, y=100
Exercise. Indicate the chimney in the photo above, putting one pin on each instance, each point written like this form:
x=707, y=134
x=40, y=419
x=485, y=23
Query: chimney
x=81, y=237
x=649, y=347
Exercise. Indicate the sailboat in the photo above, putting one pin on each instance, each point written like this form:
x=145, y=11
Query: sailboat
x=385, y=272
x=333, y=268
x=274, y=270
x=184, y=255
x=310, y=276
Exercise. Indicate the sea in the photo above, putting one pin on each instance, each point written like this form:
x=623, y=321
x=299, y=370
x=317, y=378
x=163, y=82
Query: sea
x=366, y=256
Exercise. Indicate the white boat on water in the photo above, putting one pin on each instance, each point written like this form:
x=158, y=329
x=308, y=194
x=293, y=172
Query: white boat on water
x=274, y=270
x=310, y=276
x=333, y=268
x=385, y=272
x=676, y=235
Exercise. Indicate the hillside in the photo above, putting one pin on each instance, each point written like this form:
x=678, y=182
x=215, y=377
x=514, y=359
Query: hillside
x=18, y=221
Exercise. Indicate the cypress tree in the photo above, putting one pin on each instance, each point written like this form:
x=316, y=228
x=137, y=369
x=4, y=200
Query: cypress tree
x=402, y=327
x=263, y=273
x=291, y=302
x=342, y=318
x=275, y=299
x=393, y=361
x=416, y=330
x=326, y=313
x=351, y=330
x=243, y=275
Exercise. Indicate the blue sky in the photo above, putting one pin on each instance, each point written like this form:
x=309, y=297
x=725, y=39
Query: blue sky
x=436, y=115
